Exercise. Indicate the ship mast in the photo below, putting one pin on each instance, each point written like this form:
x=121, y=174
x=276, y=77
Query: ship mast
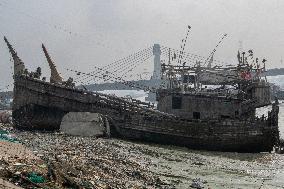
x=182, y=47
x=19, y=65
x=55, y=76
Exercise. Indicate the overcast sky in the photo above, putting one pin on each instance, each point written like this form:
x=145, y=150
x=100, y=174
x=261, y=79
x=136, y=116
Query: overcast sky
x=103, y=31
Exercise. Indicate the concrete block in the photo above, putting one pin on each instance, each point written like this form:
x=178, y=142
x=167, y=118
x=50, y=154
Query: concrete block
x=83, y=124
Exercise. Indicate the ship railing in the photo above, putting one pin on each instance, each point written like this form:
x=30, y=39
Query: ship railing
x=215, y=94
x=133, y=106
x=117, y=103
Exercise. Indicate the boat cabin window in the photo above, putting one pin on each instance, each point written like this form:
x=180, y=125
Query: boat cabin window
x=188, y=79
x=236, y=113
x=225, y=116
x=196, y=115
x=176, y=102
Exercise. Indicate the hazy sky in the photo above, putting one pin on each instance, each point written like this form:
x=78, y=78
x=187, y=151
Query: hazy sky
x=103, y=31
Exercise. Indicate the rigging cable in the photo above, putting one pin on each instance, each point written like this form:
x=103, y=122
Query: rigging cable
x=180, y=57
x=214, y=50
x=124, y=61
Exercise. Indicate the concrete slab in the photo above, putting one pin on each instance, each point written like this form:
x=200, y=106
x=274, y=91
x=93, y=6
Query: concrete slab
x=83, y=124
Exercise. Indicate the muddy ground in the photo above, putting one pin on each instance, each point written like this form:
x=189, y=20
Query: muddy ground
x=113, y=163
x=75, y=162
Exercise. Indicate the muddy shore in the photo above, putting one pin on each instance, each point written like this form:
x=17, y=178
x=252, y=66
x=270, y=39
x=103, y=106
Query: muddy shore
x=76, y=162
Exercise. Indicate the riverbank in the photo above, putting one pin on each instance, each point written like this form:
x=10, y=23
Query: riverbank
x=74, y=162
x=112, y=163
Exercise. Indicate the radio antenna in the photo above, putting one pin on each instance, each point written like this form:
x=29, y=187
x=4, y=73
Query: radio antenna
x=214, y=50
x=182, y=46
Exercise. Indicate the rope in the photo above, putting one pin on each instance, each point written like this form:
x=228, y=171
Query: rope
x=120, y=63
x=190, y=56
x=113, y=78
x=120, y=78
x=180, y=57
x=214, y=50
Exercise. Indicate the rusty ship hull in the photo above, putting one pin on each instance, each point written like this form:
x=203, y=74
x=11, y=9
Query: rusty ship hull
x=41, y=105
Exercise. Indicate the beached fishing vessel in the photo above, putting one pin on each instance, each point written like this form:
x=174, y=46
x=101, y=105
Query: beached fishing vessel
x=196, y=107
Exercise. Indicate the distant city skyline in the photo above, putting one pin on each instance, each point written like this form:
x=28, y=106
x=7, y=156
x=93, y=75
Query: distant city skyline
x=88, y=33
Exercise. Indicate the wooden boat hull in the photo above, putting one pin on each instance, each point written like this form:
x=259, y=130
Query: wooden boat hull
x=248, y=138
x=41, y=105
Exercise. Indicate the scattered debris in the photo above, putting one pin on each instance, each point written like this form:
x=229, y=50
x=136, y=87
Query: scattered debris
x=7, y=185
x=6, y=136
x=61, y=161
x=17, y=162
x=197, y=163
x=5, y=116
x=197, y=183
x=280, y=147
x=34, y=177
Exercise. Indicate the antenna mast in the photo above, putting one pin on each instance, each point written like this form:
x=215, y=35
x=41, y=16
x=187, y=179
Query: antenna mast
x=183, y=43
x=214, y=50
